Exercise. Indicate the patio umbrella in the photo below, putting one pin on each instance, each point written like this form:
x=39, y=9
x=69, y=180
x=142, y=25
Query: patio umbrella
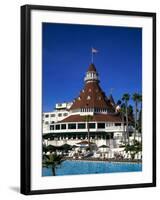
x=51, y=148
x=85, y=143
x=65, y=147
x=74, y=146
x=44, y=149
x=103, y=147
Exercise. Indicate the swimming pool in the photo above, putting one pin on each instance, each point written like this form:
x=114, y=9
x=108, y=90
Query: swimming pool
x=69, y=167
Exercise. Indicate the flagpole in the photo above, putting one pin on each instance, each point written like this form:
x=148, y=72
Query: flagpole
x=93, y=51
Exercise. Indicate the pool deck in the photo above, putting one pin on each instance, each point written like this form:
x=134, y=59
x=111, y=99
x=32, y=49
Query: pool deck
x=104, y=160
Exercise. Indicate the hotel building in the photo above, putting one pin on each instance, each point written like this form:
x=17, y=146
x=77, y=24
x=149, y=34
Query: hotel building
x=92, y=115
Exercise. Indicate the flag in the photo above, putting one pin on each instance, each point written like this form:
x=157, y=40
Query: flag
x=94, y=50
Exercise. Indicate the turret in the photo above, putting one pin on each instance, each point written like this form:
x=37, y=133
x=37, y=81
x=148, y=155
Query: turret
x=91, y=74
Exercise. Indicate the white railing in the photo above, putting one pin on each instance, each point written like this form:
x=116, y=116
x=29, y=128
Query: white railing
x=107, y=129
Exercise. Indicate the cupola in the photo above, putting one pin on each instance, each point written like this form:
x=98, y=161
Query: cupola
x=92, y=74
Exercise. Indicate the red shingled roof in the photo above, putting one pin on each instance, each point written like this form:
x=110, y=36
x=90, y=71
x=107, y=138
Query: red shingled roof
x=92, y=96
x=95, y=117
x=92, y=68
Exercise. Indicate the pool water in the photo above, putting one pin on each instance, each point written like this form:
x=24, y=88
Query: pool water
x=89, y=167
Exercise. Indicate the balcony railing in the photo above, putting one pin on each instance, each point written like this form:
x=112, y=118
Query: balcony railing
x=107, y=129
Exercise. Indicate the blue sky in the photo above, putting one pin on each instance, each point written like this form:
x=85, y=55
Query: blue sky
x=66, y=55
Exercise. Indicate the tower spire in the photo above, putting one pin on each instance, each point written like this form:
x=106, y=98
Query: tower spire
x=91, y=74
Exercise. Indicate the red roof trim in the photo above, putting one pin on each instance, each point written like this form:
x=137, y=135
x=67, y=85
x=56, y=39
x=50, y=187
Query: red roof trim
x=95, y=118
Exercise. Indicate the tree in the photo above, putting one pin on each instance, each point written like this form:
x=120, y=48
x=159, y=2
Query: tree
x=136, y=99
x=122, y=112
x=119, y=102
x=88, y=118
x=134, y=149
x=52, y=160
x=126, y=98
x=140, y=117
x=130, y=115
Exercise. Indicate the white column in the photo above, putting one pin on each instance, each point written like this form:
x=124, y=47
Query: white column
x=96, y=126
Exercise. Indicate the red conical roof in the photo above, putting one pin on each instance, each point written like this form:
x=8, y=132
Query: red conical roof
x=92, y=68
x=92, y=96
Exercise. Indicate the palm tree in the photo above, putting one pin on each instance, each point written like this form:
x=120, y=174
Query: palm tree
x=140, y=117
x=130, y=115
x=126, y=98
x=136, y=98
x=122, y=112
x=88, y=118
x=52, y=160
x=134, y=149
x=119, y=102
